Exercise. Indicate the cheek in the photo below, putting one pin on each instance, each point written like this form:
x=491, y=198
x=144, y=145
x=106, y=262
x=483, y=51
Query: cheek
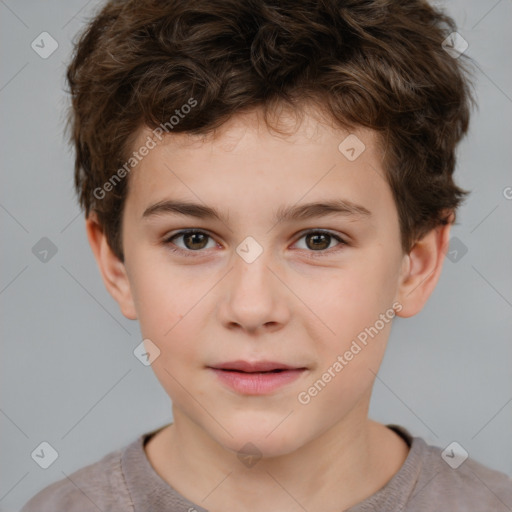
x=350, y=357
x=357, y=306
x=356, y=298
x=167, y=312
x=167, y=305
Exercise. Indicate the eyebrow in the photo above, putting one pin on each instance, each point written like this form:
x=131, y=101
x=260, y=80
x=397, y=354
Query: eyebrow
x=283, y=214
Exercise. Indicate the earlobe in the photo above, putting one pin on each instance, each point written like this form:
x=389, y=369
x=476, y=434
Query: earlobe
x=421, y=270
x=112, y=269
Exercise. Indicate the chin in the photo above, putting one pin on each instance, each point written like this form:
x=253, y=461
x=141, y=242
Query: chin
x=261, y=436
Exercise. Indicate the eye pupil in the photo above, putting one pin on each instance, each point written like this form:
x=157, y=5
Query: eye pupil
x=315, y=237
x=194, y=237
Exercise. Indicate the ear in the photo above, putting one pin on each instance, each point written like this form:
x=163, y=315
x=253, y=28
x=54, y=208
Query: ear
x=421, y=270
x=112, y=269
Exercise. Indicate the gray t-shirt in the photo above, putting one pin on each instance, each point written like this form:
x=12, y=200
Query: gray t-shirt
x=125, y=481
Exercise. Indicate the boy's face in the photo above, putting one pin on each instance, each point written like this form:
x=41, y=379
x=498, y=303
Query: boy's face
x=209, y=304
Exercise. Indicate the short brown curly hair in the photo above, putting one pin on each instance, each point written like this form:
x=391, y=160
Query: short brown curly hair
x=379, y=64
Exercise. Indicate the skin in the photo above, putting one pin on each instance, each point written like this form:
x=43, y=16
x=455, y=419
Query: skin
x=285, y=306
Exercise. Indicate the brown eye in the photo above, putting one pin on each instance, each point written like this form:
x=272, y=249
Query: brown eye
x=317, y=241
x=320, y=242
x=193, y=241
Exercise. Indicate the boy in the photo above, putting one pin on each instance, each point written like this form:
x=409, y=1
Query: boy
x=267, y=184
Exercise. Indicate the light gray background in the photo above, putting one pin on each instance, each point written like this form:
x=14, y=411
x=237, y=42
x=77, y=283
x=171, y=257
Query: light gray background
x=68, y=374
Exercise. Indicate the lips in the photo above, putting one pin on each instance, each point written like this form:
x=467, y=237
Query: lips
x=257, y=378
x=259, y=366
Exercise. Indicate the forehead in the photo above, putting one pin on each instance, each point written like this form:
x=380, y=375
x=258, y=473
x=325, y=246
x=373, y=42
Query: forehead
x=246, y=166
x=306, y=126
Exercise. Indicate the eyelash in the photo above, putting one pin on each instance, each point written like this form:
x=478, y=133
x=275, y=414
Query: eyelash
x=313, y=254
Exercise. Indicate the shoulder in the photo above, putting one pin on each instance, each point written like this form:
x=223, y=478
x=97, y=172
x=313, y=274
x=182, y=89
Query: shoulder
x=98, y=486
x=453, y=482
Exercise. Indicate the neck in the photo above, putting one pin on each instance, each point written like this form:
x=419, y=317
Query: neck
x=337, y=470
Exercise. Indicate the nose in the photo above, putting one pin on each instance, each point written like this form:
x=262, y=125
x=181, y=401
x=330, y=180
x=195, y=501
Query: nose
x=254, y=298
